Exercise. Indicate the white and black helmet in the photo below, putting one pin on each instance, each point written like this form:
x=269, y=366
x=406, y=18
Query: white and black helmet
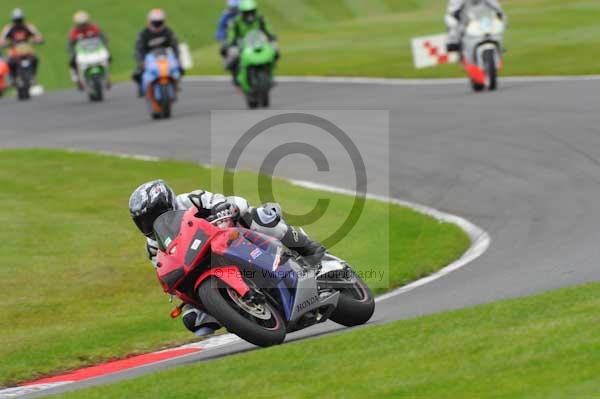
x=17, y=15
x=148, y=202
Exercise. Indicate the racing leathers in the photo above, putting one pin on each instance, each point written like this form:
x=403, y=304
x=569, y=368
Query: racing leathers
x=148, y=40
x=455, y=18
x=17, y=33
x=227, y=16
x=266, y=219
x=237, y=30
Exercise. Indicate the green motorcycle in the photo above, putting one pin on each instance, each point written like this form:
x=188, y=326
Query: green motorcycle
x=92, y=58
x=257, y=62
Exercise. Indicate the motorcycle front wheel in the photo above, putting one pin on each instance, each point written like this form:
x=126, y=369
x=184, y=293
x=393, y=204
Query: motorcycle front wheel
x=258, y=323
x=356, y=304
x=96, y=89
x=165, y=101
x=489, y=60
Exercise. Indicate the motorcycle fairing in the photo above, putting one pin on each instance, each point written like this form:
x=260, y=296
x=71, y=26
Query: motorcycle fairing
x=296, y=286
x=185, y=241
x=160, y=66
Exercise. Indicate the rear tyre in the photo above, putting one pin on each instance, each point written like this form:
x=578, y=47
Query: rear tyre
x=259, y=324
x=489, y=60
x=356, y=305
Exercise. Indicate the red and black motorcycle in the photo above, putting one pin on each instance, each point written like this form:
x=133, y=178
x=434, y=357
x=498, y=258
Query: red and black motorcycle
x=253, y=285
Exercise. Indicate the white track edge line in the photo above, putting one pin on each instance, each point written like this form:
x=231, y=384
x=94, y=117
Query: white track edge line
x=480, y=239
x=399, y=81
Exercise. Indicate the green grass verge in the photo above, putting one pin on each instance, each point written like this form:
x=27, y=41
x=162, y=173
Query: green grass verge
x=370, y=36
x=77, y=289
x=547, y=346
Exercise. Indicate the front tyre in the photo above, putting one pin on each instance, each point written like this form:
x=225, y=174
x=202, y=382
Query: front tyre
x=165, y=101
x=23, y=93
x=259, y=324
x=489, y=60
x=477, y=87
x=356, y=304
x=252, y=102
x=97, y=88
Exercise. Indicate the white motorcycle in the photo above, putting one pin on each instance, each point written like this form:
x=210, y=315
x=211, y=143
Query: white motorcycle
x=92, y=59
x=482, y=46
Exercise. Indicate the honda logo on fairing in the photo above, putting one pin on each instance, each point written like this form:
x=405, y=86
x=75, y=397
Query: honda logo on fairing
x=311, y=301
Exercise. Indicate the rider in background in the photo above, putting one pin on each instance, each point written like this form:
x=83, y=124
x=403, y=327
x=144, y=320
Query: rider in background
x=454, y=19
x=19, y=31
x=228, y=15
x=247, y=20
x=154, y=36
x=155, y=198
x=83, y=29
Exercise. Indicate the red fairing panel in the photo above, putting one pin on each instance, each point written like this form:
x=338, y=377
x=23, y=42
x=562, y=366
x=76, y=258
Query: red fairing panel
x=230, y=275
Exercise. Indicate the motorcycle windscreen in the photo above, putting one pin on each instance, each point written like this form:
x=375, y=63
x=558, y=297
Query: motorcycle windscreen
x=167, y=227
x=89, y=45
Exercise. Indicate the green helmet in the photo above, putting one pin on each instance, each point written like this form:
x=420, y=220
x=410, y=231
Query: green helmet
x=248, y=5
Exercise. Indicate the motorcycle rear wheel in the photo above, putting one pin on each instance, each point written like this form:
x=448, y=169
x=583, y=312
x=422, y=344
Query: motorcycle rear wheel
x=259, y=324
x=356, y=305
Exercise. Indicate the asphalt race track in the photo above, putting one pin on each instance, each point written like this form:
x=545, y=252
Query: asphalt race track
x=522, y=163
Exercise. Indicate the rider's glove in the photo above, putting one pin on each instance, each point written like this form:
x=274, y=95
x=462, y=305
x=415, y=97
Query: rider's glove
x=224, y=210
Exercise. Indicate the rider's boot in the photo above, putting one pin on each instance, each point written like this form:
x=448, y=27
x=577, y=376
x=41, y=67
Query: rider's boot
x=297, y=240
x=200, y=323
x=75, y=79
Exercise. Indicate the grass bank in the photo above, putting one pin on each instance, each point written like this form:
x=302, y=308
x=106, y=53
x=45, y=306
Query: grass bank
x=547, y=346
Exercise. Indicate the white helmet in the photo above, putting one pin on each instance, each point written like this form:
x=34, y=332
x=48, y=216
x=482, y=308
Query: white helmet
x=157, y=15
x=156, y=19
x=233, y=3
x=17, y=15
x=81, y=18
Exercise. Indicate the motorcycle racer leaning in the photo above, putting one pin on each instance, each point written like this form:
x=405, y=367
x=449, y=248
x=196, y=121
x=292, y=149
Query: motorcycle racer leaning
x=154, y=36
x=155, y=198
x=83, y=29
x=248, y=19
x=455, y=19
x=17, y=32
